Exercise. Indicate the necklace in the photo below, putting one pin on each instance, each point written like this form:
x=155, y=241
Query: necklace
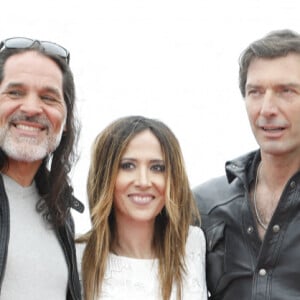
x=259, y=220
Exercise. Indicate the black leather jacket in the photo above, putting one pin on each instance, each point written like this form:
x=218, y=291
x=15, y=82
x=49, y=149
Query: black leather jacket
x=65, y=236
x=239, y=264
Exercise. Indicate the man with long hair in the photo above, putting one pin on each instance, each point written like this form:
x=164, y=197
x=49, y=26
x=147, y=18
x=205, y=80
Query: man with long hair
x=38, y=134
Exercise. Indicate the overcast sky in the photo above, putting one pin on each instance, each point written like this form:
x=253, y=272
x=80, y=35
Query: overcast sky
x=171, y=60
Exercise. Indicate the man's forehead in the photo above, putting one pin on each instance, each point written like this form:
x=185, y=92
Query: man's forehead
x=31, y=66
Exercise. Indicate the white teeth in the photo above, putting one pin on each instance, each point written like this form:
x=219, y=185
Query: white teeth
x=140, y=199
x=25, y=127
x=272, y=129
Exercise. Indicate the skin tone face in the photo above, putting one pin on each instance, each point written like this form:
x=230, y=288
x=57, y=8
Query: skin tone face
x=273, y=104
x=140, y=185
x=32, y=107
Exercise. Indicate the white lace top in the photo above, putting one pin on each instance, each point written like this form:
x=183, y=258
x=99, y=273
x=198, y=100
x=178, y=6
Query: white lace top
x=129, y=278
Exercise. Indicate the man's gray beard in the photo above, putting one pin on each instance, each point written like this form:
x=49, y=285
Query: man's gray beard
x=27, y=149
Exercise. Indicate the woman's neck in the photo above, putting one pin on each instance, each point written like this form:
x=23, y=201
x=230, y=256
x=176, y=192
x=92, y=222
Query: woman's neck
x=134, y=240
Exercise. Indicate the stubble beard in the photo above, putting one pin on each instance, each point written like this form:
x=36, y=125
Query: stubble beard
x=28, y=149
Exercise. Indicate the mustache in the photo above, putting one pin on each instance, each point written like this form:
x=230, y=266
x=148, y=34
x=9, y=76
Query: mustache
x=42, y=120
x=271, y=123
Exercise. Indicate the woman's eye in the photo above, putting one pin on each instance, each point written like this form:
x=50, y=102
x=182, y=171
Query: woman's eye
x=126, y=165
x=158, y=168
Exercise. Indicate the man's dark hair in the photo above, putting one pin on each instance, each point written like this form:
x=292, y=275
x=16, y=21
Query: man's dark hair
x=275, y=44
x=52, y=178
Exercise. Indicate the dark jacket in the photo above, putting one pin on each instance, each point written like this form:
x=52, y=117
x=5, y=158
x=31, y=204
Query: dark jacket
x=239, y=264
x=65, y=236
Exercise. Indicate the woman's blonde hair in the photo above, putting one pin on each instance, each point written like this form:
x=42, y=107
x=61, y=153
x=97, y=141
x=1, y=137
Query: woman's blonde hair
x=171, y=225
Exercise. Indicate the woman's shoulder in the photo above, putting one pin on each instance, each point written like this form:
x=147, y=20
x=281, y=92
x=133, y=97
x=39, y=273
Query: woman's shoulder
x=195, y=284
x=196, y=232
x=196, y=239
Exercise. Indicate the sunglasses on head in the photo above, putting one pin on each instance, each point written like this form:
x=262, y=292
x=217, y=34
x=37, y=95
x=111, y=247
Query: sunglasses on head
x=24, y=43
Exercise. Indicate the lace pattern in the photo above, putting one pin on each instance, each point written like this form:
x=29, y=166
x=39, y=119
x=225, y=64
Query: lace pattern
x=130, y=278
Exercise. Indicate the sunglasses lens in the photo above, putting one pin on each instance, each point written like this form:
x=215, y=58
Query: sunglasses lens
x=17, y=43
x=49, y=47
x=55, y=49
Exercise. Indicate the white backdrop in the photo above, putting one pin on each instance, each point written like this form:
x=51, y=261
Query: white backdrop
x=175, y=60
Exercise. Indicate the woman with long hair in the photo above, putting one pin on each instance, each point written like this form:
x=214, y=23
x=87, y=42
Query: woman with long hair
x=143, y=243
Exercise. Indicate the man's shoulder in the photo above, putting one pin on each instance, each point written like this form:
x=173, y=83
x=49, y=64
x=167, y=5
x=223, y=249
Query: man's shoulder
x=212, y=193
x=217, y=192
x=221, y=190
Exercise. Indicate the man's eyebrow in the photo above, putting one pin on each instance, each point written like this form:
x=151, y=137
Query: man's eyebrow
x=49, y=89
x=250, y=85
x=290, y=84
x=53, y=90
x=14, y=84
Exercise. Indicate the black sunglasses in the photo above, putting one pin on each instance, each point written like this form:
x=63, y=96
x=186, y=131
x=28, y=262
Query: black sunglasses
x=24, y=43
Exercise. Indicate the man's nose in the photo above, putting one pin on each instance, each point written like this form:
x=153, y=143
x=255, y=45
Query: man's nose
x=269, y=105
x=31, y=105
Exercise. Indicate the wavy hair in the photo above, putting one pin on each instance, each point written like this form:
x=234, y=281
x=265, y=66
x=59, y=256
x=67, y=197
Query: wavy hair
x=52, y=177
x=171, y=225
x=277, y=43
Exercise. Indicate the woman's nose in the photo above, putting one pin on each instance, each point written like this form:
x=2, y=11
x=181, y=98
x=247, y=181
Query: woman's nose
x=143, y=178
